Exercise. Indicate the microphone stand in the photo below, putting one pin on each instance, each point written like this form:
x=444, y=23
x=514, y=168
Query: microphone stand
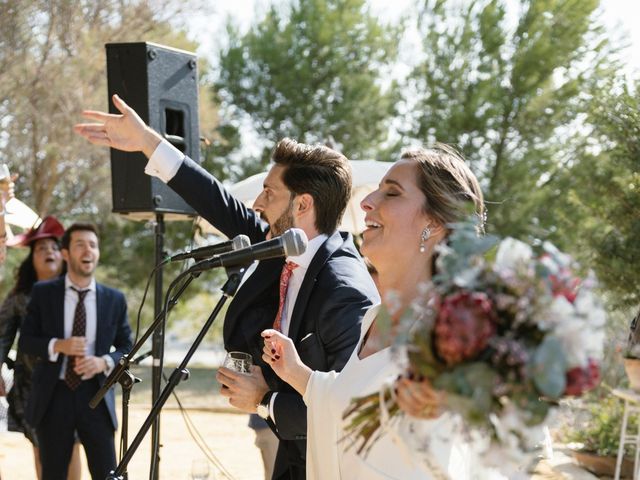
x=180, y=373
x=121, y=373
x=123, y=363
x=127, y=380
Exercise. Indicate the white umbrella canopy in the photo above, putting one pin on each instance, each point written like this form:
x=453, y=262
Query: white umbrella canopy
x=366, y=177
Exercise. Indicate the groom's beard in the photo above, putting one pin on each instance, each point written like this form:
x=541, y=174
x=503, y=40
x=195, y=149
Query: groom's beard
x=284, y=221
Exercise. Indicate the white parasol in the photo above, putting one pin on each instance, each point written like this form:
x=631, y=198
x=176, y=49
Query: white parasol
x=366, y=177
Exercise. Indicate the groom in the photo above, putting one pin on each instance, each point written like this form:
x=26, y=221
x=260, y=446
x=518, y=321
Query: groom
x=318, y=298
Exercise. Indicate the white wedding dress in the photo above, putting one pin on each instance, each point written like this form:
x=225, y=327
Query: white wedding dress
x=407, y=449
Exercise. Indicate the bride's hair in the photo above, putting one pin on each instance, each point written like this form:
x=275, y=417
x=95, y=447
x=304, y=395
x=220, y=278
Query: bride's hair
x=449, y=186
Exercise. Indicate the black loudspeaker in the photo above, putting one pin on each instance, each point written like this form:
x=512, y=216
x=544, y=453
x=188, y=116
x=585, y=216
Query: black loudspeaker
x=161, y=84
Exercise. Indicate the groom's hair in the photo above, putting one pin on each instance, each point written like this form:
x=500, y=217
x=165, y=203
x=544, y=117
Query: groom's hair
x=320, y=171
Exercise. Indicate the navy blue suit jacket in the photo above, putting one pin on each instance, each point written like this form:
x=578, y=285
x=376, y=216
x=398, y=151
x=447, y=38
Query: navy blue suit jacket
x=325, y=323
x=45, y=320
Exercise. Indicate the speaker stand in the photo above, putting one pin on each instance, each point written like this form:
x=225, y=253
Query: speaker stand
x=157, y=349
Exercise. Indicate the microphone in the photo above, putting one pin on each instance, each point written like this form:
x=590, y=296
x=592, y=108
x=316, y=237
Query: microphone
x=291, y=243
x=238, y=242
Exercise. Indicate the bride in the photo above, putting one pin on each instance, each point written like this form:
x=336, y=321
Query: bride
x=406, y=217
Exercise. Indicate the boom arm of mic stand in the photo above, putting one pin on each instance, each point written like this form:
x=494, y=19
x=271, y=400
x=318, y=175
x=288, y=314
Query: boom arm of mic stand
x=124, y=362
x=180, y=373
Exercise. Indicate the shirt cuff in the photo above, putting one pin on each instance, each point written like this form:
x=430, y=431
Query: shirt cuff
x=110, y=364
x=271, y=406
x=53, y=356
x=164, y=162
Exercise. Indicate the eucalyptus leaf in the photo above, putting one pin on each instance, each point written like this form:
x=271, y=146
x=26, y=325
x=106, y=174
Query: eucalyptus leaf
x=548, y=367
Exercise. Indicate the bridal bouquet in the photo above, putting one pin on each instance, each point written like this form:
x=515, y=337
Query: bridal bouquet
x=505, y=329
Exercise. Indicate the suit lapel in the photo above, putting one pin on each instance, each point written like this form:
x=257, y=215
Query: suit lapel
x=266, y=274
x=101, y=324
x=58, y=302
x=320, y=258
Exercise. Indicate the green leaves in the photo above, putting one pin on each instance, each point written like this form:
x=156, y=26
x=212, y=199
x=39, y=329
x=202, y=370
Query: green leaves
x=548, y=368
x=462, y=267
x=509, y=98
x=313, y=72
x=472, y=387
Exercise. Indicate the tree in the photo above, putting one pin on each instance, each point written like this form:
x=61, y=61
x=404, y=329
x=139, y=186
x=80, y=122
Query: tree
x=603, y=192
x=313, y=72
x=512, y=98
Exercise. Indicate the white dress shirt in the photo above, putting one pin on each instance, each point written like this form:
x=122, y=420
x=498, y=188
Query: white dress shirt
x=297, y=277
x=164, y=162
x=91, y=307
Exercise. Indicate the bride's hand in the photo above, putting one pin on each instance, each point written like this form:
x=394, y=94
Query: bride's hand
x=418, y=398
x=280, y=353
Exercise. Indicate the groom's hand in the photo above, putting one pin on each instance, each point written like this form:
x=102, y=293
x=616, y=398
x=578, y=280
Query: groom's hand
x=244, y=391
x=125, y=132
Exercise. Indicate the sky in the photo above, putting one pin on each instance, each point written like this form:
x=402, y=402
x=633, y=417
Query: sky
x=619, y=16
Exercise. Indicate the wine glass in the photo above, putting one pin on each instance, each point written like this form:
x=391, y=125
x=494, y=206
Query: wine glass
x=5, y=183
x=5, y=179
x=200, y=469
x=5, y=175
x=239, y=361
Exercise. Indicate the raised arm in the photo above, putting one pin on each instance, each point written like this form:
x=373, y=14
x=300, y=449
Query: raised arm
x=125, y=131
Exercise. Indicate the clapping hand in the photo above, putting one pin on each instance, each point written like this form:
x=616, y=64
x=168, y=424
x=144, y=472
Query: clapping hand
x=72, y=346
x=280, y=353
x=88, y=367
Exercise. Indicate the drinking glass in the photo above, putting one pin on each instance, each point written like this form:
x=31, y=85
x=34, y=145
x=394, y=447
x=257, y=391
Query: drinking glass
x=5, y=175
x=239, y=361
x=5, y=180
x=200, y=469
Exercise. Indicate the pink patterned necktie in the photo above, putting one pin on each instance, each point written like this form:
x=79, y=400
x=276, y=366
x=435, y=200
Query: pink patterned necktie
x=79, y=328
x=285, y=276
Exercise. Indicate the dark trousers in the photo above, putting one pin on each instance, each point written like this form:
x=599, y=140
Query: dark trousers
x=68, y=412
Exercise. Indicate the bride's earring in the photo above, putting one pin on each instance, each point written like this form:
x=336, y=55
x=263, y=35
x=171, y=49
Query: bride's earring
x=426, y=233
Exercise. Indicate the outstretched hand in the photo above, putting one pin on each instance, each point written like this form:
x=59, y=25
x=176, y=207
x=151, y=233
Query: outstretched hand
x=125, y=131
x=280, y=353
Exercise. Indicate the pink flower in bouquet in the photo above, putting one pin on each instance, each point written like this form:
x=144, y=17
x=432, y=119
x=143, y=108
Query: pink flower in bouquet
x=463, y=327
x=582, y=379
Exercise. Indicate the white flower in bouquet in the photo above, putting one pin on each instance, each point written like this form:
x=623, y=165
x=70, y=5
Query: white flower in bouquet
x=512, y=255
x=590, y=308
x=555, y=314
x=570, y=334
